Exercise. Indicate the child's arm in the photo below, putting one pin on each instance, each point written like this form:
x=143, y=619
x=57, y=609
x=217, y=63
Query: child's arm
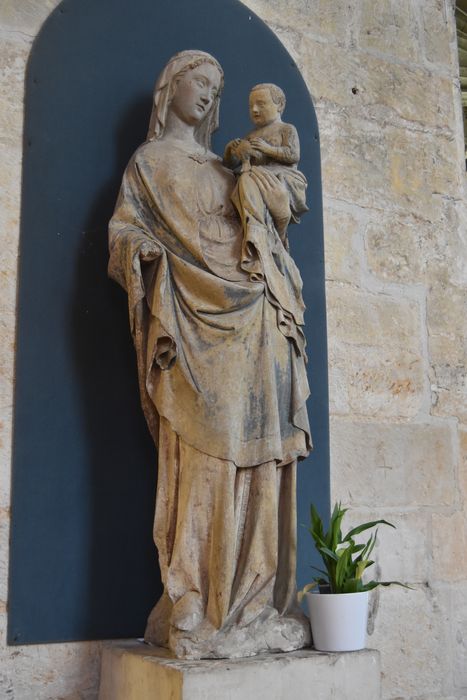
x=288, y=153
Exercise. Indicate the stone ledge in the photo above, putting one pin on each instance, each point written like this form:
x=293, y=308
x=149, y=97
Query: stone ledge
x=134, y=671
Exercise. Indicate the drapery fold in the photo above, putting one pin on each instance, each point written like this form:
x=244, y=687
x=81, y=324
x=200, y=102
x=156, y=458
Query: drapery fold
x=218, y=355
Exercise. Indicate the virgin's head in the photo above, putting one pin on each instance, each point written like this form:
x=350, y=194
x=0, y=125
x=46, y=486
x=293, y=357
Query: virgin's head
x=190, y=86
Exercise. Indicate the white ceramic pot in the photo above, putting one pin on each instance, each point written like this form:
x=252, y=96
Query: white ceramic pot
x=338, y=620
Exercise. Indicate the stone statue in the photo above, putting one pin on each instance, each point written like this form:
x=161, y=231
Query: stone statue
x=273, y=147
x=221, y=363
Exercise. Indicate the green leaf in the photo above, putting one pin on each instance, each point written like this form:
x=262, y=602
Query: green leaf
x=325, y=573
x=374, y=584
x=345, y=561
x=361, y=566
x=327, y=551
x=342, y=567
x=306, y=589
x=366, y=526
x=352, y=585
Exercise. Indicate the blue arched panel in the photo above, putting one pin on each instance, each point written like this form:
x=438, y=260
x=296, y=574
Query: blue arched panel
x=83, y=565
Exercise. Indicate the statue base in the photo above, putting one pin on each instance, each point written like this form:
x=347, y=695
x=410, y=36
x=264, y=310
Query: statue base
x=133, y=670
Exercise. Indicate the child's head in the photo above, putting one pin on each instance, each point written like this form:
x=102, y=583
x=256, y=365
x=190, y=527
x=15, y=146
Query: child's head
x=267, y=102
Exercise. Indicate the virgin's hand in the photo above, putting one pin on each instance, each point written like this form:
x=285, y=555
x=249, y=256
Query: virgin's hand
x=148, y=250
x=274, y=194
x=243, y=149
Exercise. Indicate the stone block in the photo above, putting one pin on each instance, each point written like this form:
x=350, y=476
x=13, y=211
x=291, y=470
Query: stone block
x=446, y=313
x=385, y=167
x=449, y=390
x=450, y=546
x=437, y=32
x=4, y=543
x=341, y=246
x=357, y=317
x=463, y=465
x=391, y=28
x=392, y=465
x=377, y=88
x=410, y=632
x=393, y=247
x=329, y=20
x=375, y=349
x=26, y=16
x=376, y=382
x=421, y=167
x=447, y=346
x=50, y=671
x=409, y=248
x=10, y=187
x=133, y=671
x=13, y=56
x=459, y=636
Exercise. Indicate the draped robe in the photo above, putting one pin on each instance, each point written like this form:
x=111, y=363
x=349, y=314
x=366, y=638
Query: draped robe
x=221, y=365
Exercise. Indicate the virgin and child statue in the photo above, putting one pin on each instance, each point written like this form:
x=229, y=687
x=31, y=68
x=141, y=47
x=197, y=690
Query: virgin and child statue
x=200, y=245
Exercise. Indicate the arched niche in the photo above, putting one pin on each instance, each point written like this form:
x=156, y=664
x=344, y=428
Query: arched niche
x=83, y=565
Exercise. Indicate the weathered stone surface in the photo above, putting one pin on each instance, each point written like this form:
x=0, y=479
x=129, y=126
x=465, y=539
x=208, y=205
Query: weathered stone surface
x=228, y=592
x=330, y=21
x=412, y=249
x=4, y=541
x=430, y=696
x=422, y=166
x=394, y=247
x=449, y=389
x=377, y=382
x=13, y=56
x=450, y=546
x=26, y=16
x=447, y=345
x=357, y=317
x=390, y=27
x=446, y=314
x=409, y=626
x=437, y=31
x=10, y=175
x=463, y=465
x=375, y=350
x=386, y=167
x=459, y=635
x=377, y=88
x=49, y=671
x=135, y=672
x=392, y=465
x=341, y=252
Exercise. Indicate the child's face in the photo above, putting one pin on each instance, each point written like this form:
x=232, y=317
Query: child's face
x=263, y=110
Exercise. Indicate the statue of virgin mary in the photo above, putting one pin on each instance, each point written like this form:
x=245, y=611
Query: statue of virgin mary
x=222, y=378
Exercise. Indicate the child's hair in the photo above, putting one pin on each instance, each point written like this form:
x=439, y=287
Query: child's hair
x=277, y=95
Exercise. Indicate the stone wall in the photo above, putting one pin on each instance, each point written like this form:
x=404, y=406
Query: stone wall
x=383, y=76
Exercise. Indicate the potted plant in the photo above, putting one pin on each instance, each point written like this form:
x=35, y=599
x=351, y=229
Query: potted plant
x=339, y=612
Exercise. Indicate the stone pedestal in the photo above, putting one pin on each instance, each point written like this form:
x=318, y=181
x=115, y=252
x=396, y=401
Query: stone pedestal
x=134, y=671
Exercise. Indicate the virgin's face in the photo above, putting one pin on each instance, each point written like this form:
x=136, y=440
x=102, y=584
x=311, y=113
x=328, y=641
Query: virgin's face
x=195, y=93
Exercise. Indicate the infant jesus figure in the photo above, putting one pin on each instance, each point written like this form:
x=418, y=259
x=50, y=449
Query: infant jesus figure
x=271, y=149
